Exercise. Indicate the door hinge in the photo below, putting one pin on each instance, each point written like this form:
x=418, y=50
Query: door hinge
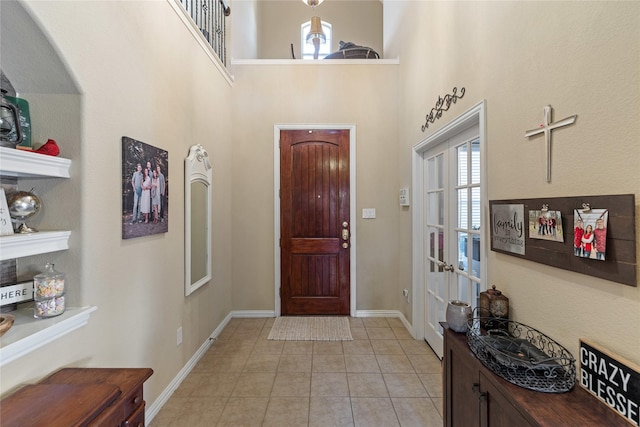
x=279, y=292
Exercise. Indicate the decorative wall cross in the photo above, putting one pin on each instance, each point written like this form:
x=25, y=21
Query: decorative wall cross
x=546, y=127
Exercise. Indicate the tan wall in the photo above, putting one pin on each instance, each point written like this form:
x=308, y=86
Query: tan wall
x=141, y=75
x=243, y=25
x=265, y=95
x=279, y=23
x=581, y=58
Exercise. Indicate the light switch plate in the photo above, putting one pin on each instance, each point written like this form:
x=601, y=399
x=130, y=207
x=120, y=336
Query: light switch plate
x=369, y=213
x=404, y=197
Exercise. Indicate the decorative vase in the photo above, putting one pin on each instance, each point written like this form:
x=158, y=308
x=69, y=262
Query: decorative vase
x=48, y=292
x=458, y=314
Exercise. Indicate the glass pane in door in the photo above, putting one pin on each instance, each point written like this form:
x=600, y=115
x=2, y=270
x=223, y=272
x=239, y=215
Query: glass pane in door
x=463, y=207
x=463, y=157
x=433, y=214
x=431, y=183
x=475, y=208
x=440, y=170
x=463, y=251
x=475, y=256
x=463, y=289
x=435, y=240
x=475, y=161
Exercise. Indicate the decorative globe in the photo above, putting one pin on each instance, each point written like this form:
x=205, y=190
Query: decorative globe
x=23, y=204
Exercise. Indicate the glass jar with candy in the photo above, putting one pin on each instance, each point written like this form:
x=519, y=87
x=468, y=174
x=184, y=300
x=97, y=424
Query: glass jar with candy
x=48, y=292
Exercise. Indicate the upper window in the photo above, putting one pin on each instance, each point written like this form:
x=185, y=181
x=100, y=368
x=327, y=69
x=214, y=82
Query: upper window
x=307, y=48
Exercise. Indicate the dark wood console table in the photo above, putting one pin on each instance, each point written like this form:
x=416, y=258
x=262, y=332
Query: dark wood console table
x=110, y=397
x=475, y=396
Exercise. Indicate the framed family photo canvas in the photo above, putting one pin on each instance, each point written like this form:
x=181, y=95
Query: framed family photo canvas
x=145, y=189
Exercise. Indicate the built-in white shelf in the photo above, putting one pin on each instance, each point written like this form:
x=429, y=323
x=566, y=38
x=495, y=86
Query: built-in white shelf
x=29, y=333
x=42, y=242
x=27, y=164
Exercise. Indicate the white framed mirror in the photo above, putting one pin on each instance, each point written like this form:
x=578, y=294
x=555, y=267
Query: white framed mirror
x=197, y=219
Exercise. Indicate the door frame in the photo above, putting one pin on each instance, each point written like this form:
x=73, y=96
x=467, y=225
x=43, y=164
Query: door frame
x=476, y=115
x=352, y=206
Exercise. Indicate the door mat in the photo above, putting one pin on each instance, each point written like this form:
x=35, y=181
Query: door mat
x=317, y=328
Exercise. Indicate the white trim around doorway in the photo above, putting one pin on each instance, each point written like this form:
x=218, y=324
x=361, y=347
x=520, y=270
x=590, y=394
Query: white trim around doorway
x=276, y=205
x=476, y=115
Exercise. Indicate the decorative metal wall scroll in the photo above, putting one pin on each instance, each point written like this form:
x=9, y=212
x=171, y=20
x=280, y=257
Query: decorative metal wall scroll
x=442, y=105
x=546, y=127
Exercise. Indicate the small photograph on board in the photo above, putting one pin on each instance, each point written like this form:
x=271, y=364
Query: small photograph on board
x=546, y=225
x=590, y=233
x=145, y=189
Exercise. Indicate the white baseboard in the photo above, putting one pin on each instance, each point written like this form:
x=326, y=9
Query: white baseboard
x=387, y=313
x=153, y=410
x=252, y=313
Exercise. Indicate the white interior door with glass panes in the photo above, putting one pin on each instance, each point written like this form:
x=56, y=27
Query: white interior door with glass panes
x=452, y=226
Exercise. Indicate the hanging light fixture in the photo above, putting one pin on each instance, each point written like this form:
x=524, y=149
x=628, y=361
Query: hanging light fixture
x=316, y=35
x=312, y=3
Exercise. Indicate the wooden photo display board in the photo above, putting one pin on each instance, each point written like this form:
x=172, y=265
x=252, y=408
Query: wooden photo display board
x=620, y=263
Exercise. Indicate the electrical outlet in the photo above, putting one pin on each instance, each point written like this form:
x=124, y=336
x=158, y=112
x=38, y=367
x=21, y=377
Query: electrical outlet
x=179, y=336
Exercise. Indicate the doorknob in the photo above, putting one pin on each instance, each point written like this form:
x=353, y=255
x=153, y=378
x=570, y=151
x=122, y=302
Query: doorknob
x=345, y=234
x=345, y=230
x=445, y=267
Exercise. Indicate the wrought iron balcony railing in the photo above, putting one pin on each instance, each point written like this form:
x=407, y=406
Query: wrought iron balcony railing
x=210, y=17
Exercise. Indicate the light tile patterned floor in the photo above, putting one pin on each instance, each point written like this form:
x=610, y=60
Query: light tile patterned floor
x=381, y=378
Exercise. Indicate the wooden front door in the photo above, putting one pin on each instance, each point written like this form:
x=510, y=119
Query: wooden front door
x=314, y=222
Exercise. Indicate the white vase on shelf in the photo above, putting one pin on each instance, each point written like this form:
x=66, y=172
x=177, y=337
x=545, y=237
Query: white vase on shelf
x=458, y=315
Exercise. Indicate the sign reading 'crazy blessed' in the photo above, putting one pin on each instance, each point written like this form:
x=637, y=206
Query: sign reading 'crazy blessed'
x=507, y=228
x=611, y=380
